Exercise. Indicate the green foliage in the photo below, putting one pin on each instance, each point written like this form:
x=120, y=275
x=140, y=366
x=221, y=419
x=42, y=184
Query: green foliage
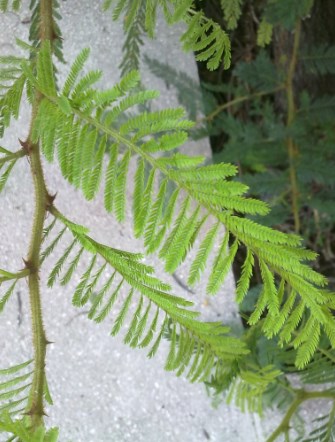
x=180, y=202
x=203, y=35
x=34, y=29
x=287, y=12
x=207, y=186
x=14, y=386
x=12, y=83
x=22, y=433
x=156, y=305
x=6, y=5
x=232, y=10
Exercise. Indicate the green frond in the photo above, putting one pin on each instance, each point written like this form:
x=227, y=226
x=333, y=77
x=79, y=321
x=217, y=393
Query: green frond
x=123, y=312
x=150, y=292
x=4, y=177
x=4, y=299
x=200, y=261
x=111, y=174
x=155, y=214
x=134, y=27
x=75, y=70
x=140, y=327
x=126, y=84
x=14, y=384
x=45, y=71
x=319, y=59
x=292, y=323
x=248, y=389
x=208, y=40
x=244, y=282
x=178, y=160
x=181, y=242
x=309, y=345
x=34, y=29
x=89, y=289
x=232, y=10
x=264, y=33
x=92, y=179
x=120, y=187
x=202, y=34
x=175, y=232
x=52, y=245
x=323, y=428
x=178, y=190
x=82, y=91
x=6, y=5
x=12, y=82
x=79, y=298
x=143, y=202
x=98, y=298
x=131, y=335
x=273, y=324
x=59, y=264
x=270, y=289
x=320, y=369
x=72, y=267
x=151, y=331
x=258, y=309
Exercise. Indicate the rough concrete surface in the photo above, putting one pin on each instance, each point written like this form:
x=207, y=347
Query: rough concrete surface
x=102, y=390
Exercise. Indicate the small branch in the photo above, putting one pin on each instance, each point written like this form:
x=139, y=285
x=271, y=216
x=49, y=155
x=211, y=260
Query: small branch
x=301, y=396
x=10, y=276
x=12, y=156
x=291, y=111
x=238, y=100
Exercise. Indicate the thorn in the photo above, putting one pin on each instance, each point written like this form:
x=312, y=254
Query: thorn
x=47, y=342
x=26, y=264
x=50, y=199
x=25, y=145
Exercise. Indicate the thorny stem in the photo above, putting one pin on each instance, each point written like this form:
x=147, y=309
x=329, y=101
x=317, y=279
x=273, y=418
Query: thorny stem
x=301, y=396
x=35, y=407
x=291, y=111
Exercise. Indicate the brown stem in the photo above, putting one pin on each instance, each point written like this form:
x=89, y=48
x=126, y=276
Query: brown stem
x=35, y=407
x=292, y=148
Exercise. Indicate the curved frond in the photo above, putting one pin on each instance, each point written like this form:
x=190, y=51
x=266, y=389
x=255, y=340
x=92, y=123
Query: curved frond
x=12, y=82
x=145, y=306
x=202, y=35
x=14, y=388
x=179, y=191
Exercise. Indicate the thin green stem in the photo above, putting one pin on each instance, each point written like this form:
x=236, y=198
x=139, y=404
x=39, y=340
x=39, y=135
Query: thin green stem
x=238, y=100
x=291, y=111
x=10, y=276
x=35, y=407
x=301, y=396
x=12, y=156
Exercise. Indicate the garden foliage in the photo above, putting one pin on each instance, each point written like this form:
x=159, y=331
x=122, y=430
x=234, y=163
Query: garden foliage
x=94, y=135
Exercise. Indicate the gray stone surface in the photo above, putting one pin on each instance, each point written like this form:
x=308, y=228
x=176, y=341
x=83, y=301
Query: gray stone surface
x=102, y=390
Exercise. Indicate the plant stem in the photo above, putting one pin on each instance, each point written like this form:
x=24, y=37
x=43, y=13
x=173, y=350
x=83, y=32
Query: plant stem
x=35, y=407
x=238, y=100
x=291, y=111
x=12, y=156
x=301, y=396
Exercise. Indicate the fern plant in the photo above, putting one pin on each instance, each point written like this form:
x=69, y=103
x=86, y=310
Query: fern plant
x=94, y=135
